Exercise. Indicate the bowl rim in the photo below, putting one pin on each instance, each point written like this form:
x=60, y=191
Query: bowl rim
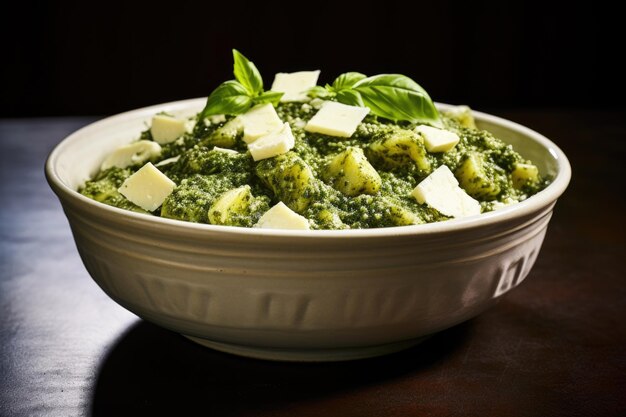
x=532, y=204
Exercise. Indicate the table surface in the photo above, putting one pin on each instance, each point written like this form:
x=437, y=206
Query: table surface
x=554, y=346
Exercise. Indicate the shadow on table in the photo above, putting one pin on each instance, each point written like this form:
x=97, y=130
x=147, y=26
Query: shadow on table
x=156, y=372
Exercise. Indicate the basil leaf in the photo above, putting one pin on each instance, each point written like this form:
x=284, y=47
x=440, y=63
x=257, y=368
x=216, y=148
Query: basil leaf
x=347, y=80
x=268, y=97
x=351, y=97
x=247, y=74
x=230, y=97
x=397, y=97
x=320, y=92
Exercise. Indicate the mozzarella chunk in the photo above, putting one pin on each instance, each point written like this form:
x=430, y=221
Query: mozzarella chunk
x=336, y=119
x=272, y=144
x=441, y=191
x=295, y=84
x=259, y=121
x=437, y=140
x=147, y=188
x=131, y=154
x=282, y=217
x=166, y=129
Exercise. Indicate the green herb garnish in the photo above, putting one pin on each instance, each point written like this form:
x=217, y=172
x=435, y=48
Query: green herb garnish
x=392, y=96
x=237, y=96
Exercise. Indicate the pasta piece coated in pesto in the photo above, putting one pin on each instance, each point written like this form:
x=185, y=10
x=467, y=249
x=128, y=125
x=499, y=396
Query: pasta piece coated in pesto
x=291, y=180
x=193, y=197
x=479, y=178
x=352, y=174
x=238, y=207
x=400, y=149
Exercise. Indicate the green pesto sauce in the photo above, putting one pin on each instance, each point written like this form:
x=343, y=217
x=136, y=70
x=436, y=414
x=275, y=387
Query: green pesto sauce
x=309, y=180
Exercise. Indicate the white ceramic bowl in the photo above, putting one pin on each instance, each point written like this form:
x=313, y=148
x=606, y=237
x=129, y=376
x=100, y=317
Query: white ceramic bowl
x=300, y=295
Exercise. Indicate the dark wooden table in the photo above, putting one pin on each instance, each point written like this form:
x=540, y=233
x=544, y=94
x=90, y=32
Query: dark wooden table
x=554, y=346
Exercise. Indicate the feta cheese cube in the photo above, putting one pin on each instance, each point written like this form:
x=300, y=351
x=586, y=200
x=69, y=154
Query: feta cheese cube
x=295, y=84
x=441, y=191
x=259, y=121
x=166, y=129
x=147, y=188
x=282, y=217
x=437, y=140
x=336, y=119
x=272, y=144
x=131, y=154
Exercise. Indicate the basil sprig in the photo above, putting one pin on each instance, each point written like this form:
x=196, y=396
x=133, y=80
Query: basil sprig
x=237, y=96
x=392, y=96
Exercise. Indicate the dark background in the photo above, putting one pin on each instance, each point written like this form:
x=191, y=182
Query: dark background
x=552, y=347
x=80, y=57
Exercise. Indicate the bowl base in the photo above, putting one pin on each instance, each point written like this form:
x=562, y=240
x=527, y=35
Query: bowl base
x=308, y=355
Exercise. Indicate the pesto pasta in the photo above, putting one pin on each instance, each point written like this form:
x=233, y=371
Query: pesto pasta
x=310, y=157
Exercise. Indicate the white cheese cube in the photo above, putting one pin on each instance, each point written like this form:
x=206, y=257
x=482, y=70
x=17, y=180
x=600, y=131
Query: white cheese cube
x=437, y=140
x=282, y=217
x=336, y=119
x=147, y=188
x=259, y=121
x=131, y=154
x=166, y=129
x=441, y=191
x=272, y=144
x=295, y=84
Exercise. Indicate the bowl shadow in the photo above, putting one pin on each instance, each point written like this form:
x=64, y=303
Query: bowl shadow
x=156, y=372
